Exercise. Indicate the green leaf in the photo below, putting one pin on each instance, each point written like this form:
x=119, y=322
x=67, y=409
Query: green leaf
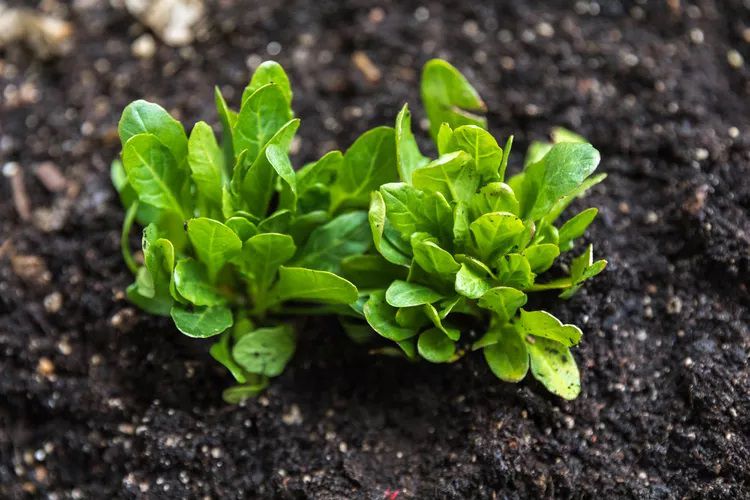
x=557, y=174
x=566, y=200
x=435, y=347
x=214, y=244
x=278, y=222
x=449, y=98
x=483, y=149
x=206, y=162
x=158, y=305
x=403, y=294
x=370, y=271
x=554, y=366
x=262, y=115
x=582, y=268
x=221, y=352
x=506, y=157
x=266, y=350
x=279, y=160
x=159, y=257
x=269, y=72
x=541, y=257
x=413, y=318
x=296, y=283
x=445, y=143
x=368, y=163
x=514, y=270
x=496, y=233
x=434, y=259
x=433, y=315
x=155, y=175
x=303, y=225
x=378, y=225
x=410, y=211
x=201, y=322
x=256, y=185
x=408, y=156
x=561, y=134
x=238, y=393
x=508, y=358
x=192, y=283
x=575, y=227
x=261, y=257
x=493, y=197
x=504, y=301
x=242, y=227
x=228, y=120
x=452, y=175
x=382, y=318
x=470, y=283
x=543, y=324
x=142, y=117
x=347, y=234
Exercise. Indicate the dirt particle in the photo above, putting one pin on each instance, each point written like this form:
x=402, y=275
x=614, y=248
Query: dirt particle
x=53, y=302
x=688, y=362
x=293, y=416
x=545, y=29
x=124, y=319
x=45, y=367
x=126, y=428
x=652, y=217
x=735, y=59
x=674, y=305
x=365, y=66
x=376, y=15
x=144, y=47
x=696, y=36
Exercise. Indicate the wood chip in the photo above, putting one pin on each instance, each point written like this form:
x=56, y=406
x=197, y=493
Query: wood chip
x=51, y=177
x=14, y=173
x=365, y=65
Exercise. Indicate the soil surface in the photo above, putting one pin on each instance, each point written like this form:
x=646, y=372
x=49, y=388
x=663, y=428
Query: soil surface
x=100, y=400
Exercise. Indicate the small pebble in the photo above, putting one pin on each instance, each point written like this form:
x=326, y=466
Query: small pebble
x=144, y=47
x=53, y=302
x=545, y=30
x=45, y=367
x=735, y=59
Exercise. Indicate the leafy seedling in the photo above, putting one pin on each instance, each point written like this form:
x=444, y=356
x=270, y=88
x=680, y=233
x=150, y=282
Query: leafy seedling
x=236, y=243
x=470, y=242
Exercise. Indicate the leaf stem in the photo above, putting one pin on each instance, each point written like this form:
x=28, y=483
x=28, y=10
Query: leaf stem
x=559, y=284
x=127, y=255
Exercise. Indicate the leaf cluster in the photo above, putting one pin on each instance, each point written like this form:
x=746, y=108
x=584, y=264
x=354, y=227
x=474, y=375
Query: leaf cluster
x=236, y=241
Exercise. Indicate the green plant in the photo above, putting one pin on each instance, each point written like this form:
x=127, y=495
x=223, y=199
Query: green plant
x=236, y=242
x=463, y=243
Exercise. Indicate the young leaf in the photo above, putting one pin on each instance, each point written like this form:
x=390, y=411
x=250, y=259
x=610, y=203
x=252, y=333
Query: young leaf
x=434, y=259
x=265, y=351
x=575, y=227
x=554, y=366
x=435, y=347
x=508, y=358
x=493, y=197
x=221, y=352
x=228, y=120
x=445, y=142
x=470, y=283
x=368, y=163
x=411, y=211
x=541, y=257
x=483, y=149
x=496, y=233
x=582, y=268
x=451, y=174
x=296, y=283
x=206, y=162
x=242, y=227
x=370, y=271
x=449, y=98
x=403, y=294
x=269, y=72
x=201, y=322
x=437, y=320
x=543, y=324
x=262, y=115
x=514, y=270
x=192, y=283
x=378, y=223
x=344, y=236
x=214, y=243
x=155, y=175
x=408, y=156
x=506, y=157
x=504, y=301
x=142, y=117
x=261, y=257
x=559, y=172
x=382, y=318
x=566, y=200
x=238, y=393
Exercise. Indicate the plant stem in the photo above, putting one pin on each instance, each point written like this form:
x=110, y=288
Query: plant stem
x=127, y=255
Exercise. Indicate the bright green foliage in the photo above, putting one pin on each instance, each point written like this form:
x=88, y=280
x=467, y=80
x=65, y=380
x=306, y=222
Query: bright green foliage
x=420, y=251
x=473, y=244
x=236, y=241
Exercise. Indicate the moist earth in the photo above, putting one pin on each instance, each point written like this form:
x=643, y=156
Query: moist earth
x=100, y=400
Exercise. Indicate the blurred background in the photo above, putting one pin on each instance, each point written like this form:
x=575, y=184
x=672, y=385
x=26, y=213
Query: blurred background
x=98, y=399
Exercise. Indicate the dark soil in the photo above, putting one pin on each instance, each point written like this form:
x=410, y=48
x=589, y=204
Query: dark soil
x=99, y=400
